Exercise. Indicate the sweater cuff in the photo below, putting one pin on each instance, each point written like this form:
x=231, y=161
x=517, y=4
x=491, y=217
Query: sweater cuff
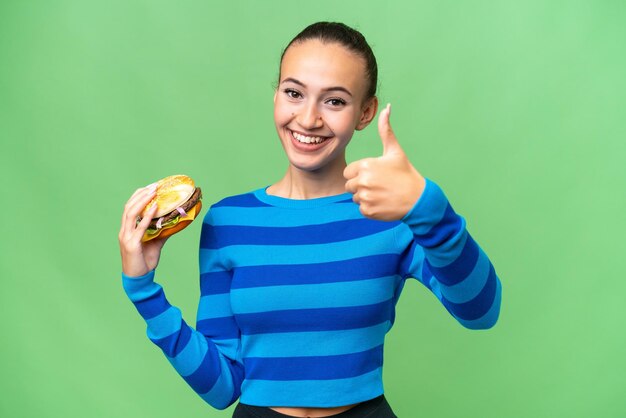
x=429, y=209
x=140, y=287
x=432, y=220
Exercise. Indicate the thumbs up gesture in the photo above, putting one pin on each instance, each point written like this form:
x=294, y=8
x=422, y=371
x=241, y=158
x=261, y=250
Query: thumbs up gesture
x=385, y=187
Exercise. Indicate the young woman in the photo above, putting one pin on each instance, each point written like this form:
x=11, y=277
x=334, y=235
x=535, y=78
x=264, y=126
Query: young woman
x=299, y=280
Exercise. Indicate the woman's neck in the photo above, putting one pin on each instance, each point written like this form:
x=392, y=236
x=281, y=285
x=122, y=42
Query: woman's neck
x=300, y=184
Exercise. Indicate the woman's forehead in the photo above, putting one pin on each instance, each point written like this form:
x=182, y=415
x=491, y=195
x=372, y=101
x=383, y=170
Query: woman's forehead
x=322, y=65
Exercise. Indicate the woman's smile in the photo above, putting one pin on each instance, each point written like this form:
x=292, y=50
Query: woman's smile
x=308, y=143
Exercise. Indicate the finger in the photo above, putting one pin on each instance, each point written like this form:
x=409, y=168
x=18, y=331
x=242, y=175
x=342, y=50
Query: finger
x=351, y=170
x=135, y=208
x=148, y=189
x=135, y=196
x=352, y=186
x=356, y=167
x=389, y=140
x=138, y=207
x=139, y=190
x=145, y=221
x=127, y=205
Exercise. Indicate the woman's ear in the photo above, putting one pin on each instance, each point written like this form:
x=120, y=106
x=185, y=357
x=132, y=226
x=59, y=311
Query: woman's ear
x=367, y=114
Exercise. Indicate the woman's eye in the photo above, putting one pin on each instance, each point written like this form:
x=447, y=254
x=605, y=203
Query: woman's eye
x=336, y=102
x=293, y=93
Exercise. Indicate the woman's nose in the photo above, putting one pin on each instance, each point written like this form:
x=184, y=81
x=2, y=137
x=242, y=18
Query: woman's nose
x=310, y=118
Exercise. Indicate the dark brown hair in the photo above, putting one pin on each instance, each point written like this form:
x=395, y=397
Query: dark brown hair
x=353, y=40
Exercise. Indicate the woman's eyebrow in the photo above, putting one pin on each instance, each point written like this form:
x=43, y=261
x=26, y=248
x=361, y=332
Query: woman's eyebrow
x=300, y=83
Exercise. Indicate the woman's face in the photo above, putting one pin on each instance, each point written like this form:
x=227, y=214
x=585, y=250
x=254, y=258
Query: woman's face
x=319, y=103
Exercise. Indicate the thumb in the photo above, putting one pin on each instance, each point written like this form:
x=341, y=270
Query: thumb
x=389, y=140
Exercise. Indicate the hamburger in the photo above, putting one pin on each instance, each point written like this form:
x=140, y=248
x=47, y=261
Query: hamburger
x=178, y=203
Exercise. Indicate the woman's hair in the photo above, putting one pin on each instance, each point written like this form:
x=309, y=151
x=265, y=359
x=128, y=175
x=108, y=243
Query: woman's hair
x=352, y=39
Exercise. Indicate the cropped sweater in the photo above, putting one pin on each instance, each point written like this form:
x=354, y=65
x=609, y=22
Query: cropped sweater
x=297, y=296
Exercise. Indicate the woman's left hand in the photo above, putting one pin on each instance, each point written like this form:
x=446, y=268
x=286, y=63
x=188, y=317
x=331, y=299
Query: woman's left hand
x=386, y=187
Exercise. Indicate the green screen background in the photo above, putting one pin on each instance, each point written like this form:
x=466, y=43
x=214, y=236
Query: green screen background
x=515, y=108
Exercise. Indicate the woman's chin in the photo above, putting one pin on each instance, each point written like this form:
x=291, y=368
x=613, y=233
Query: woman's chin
x=316, y=166
x=308, y=166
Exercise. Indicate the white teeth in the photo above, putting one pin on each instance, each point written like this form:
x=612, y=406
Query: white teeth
x=307, y=139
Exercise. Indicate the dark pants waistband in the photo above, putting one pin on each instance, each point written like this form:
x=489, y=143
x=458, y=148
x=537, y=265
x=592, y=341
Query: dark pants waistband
x=374, y=408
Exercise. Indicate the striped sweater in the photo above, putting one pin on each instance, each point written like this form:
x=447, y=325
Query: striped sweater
x=297, y=296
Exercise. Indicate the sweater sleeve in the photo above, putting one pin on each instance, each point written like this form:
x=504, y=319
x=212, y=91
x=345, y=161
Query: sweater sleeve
x=207, y=357
x=442, y=255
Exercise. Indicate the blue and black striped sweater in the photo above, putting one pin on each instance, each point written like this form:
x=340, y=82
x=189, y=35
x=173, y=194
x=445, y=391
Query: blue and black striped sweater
x=297, y=296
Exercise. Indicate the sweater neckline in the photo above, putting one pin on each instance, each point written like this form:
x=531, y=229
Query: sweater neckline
x=286, y=202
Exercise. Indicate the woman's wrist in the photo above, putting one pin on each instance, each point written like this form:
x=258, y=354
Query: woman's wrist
x=131, y=271
x=145, y=275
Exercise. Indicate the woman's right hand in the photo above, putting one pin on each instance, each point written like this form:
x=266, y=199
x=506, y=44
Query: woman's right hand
x=139, y=258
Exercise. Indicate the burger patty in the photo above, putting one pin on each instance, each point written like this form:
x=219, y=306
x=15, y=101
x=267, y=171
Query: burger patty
x=197, y=195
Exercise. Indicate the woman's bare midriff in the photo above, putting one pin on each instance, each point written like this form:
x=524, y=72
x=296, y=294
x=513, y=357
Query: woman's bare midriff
x=312, y=412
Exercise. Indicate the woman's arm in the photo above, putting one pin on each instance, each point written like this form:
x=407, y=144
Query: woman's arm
x=211, y=369
x=440, y=253
x=437, y=249
x=204, y=358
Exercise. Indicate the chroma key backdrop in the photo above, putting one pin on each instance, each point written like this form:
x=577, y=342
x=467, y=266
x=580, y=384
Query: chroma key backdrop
x=515, y=108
